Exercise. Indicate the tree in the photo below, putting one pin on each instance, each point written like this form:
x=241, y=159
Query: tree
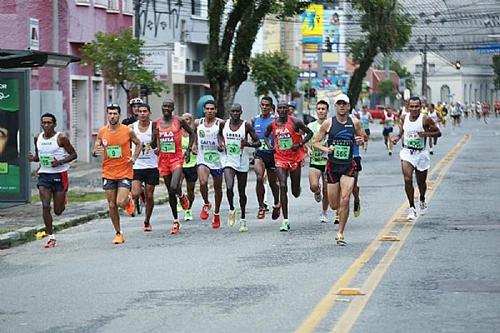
x=119, y=56
x=272, y=72
x=496, y=69
x=386, y=88
x=233, y=26
x=402, y=72
x=384, y=28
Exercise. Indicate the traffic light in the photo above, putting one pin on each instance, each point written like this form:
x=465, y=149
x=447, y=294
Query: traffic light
x=458, y=65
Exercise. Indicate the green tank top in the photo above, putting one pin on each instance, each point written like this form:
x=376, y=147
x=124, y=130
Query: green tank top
x=318, y=157
x=192, y=157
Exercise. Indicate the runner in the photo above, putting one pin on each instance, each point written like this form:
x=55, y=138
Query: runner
x=318, y=161
x=486, y=111
x=288, y=154
x=188, y=169
x=236, y=161
x=365, y=118
x=167, y=135
x=342, y=133
x=146, y=175
x=414, y=129
x=210, y=152
x=455, y=114
x=389, y=118
x=264, y=161
x=114, y=142
x=497, y=108
x=53, y=151
x=134, y=112
x=436, y=117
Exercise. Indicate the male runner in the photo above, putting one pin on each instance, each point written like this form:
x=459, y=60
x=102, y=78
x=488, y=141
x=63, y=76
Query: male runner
x=317, y=163
x=167, y=136
x=389, y=119
x=342, y=132
x=114, y=142
x=53, y=151
x=188, y=168
x=365, y=118
x=414, y=128
x=264, y=160
x=436, y=117
x=146, y=165
x=288, y=154
x=134, y=105
x=236, y=161
x=210, y=147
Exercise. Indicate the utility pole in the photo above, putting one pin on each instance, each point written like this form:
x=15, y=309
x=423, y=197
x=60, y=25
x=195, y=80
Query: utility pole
x=424, y=70
x=387, y=77
x=309, y=89
x=137, y=18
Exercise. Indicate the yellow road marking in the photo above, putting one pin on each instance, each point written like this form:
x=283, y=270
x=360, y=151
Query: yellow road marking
x=326, y=304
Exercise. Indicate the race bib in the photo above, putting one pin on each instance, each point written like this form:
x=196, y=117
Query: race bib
x=285, y=143
x=415, y=142
x=211, y=156
x=167, y=147
x=4, y=168
x=233, y=149
x=263, y=144
x=342, y=152
x=45, y=160
x=114, y=151
x=318, y=155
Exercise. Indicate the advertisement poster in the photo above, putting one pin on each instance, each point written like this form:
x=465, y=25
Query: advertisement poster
x=12, y=107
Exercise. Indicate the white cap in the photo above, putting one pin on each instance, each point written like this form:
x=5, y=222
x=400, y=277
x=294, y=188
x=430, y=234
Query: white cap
x=342, y=97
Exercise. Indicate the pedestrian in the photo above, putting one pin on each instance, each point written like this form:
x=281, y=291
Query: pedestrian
x=236, y=161
x=114, y=142
x=414, y=129
x=210, y=148
x=342, y=133
x=146, y=175
x=167, y=136
x=288, y=154
x=53, y=151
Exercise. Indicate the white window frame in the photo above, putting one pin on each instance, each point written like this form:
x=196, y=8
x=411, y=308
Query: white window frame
x=85, y=3
x=113, y=6
x=101, y=4
x=127, y=7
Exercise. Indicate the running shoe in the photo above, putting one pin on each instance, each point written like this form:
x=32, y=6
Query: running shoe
x=317, y=196
x=266, y=206
x=276, y=212
x=340, y=239
x=423, y=208
x=50, y=243
x=216, y=221
x=188, y=215
x=130, y=209
x=412, y=214
x=205, y=211
x=357, y=208
x=285, y=226
x=176, y=228
x=431, y=151
x=337, y=218
x=179, y=207
x=119, y=238
x=323, y=218
x=231, y=220
x=243, y=225
x=148, y=227
x=261, y=214
x=184, y=201
x=390, y=152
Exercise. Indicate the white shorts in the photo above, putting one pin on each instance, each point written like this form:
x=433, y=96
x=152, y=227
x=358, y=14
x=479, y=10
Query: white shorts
x=420, y=159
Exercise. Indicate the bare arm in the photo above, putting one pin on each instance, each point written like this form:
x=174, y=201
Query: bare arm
x=268, y=132
x=31, y=157
x=360, y=133
x=396, y=138
x=255, y=139
x=323, y=130
x=430, y=129
x=138, y=146
x=63, y=141
x=302, y=127
x=98, y=148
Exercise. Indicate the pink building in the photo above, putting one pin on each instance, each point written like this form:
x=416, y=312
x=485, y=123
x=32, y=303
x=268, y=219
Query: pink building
x=76, y=95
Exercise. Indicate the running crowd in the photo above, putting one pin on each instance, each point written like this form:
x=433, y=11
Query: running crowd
x=138, y=151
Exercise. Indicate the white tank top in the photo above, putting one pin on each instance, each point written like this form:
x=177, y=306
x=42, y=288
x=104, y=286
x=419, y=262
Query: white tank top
x=48, y=149
x=208, y=141
x=236, y=157
x=147, y=158
x=411, y=140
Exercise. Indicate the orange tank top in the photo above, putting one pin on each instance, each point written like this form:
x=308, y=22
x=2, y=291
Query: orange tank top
x=170, y=138
x=117, y=151
x=285, y=137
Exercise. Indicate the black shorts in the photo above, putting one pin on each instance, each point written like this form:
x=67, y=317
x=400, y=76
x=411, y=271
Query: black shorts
x=357, y=159
x=318, y=167
x=334, y=172
x=267, y=158
x=190, y=174
x=56, y=182
x=113, y=184
x=386, y=131
x=147, y=176
x=367, y=131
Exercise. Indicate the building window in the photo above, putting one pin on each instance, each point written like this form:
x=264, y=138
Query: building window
x=196, y=66
x=101, y=3
x=127, y=7
x=418, y=69
x=432, y=69
x=445, y=93
x=113, y=5
x=196, y=7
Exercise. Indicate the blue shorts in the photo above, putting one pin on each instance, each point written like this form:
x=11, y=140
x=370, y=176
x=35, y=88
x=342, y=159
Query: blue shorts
x=214, y=172
x=113, y=184
x=56, y=182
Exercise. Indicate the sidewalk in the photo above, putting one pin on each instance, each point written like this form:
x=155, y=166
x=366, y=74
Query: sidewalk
x=20, y=223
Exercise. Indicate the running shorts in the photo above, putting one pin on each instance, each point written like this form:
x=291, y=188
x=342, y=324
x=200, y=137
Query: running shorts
x=56, y=182
x=149, y=176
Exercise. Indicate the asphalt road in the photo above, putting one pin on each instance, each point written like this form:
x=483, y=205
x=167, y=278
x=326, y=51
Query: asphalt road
x=441, y=276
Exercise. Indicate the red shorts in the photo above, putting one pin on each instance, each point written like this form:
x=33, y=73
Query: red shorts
x=334, y=173
x=168, y=163
x=289, y=165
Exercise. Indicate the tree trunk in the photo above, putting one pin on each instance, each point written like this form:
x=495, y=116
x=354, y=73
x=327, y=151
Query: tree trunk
x=356, y=81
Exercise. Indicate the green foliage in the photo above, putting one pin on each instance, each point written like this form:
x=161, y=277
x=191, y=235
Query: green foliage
x=386, y=88
x=119, y=56
x=272, y=72
x=403, y=73
x=385, y=29
x=496, y=69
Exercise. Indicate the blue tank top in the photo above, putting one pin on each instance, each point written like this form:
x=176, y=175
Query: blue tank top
x=341, y=136
x=260, y=125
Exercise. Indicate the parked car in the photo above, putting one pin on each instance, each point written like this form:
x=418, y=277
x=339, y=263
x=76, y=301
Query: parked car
x=377, y=112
